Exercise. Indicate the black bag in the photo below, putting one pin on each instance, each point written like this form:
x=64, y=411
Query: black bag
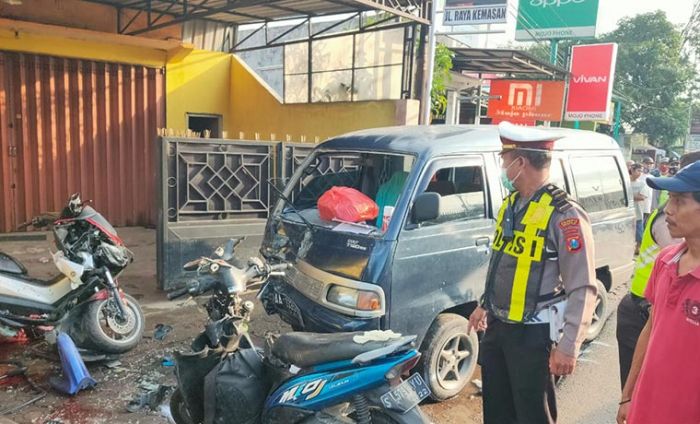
x=235, y=390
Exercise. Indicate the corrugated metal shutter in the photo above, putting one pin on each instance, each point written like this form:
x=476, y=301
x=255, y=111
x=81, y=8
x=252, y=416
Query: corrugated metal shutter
x=71, y=125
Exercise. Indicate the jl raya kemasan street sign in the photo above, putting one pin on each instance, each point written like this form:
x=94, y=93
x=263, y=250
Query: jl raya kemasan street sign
x=591, y=82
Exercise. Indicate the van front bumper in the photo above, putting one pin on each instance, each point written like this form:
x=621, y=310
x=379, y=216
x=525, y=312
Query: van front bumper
x=303, y=313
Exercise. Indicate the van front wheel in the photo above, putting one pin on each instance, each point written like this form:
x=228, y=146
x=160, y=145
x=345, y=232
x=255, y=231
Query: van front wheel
x=449, y=356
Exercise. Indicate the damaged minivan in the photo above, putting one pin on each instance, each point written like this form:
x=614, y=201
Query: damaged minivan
x=420, y=266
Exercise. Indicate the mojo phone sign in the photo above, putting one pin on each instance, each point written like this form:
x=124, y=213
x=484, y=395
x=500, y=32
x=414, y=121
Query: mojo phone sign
x=591, y=82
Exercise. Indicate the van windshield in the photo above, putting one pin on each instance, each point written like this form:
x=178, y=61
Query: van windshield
x=380, y=176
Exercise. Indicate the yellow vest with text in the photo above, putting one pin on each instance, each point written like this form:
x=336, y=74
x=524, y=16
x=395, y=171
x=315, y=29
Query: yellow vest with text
x=644, y=264
x=517, y=264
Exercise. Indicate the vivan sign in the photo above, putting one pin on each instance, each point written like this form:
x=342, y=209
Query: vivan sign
x=556, y=19
x=591, y=82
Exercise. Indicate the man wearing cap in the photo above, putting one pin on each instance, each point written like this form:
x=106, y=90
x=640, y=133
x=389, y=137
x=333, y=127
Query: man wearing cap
x=662, y=386
x=540, y=289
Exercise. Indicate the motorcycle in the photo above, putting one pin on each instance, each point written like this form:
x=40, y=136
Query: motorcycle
x=84, y=300
x=297, y=377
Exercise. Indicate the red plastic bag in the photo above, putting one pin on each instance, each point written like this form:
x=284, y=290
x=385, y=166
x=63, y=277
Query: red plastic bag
x=346, y=204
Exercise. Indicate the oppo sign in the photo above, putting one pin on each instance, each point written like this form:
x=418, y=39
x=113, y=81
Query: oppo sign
x=553, y=3
x=556, y=19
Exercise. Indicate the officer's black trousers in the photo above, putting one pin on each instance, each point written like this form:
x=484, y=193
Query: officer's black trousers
x=517, y=385
x=631, y=318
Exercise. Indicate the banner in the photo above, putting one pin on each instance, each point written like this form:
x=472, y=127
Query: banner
x=518, y=100
x=556, y=19
x=591, y=82
x=475, y=12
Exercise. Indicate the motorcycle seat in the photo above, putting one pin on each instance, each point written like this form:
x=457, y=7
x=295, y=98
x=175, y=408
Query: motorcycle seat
x=305, y=350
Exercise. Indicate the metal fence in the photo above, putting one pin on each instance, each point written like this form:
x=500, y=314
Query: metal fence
x=211, y=190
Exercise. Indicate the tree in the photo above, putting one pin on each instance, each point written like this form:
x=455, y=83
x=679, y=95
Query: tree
x=441, y=76
x=653, y=76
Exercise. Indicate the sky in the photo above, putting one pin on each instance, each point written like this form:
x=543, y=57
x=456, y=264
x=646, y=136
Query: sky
x=609, y=13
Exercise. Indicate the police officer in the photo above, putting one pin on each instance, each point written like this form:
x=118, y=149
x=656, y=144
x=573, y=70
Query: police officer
x=633, y=311
x=540, y=288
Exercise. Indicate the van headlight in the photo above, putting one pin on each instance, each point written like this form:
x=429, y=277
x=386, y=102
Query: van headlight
x=356, y=299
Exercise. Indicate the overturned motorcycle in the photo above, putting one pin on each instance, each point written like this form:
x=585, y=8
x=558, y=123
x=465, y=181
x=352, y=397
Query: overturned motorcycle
x=84, y=300
x=299, y=377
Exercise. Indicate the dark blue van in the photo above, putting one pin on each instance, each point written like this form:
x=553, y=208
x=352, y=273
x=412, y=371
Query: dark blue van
x=420, y=267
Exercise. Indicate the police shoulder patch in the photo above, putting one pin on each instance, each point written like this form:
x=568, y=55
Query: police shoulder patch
x=571, y=227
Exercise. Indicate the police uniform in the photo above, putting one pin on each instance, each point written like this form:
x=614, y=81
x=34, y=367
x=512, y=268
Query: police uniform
x=540, y=289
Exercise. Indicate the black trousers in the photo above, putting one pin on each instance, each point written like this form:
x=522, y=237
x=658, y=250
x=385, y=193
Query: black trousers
x=632, y=315
x=517, y=385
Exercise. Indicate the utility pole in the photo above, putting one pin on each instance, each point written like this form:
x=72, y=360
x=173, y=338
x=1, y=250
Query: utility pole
x=426, y=103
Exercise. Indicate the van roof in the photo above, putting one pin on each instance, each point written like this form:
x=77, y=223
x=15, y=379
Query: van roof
x=446, y=139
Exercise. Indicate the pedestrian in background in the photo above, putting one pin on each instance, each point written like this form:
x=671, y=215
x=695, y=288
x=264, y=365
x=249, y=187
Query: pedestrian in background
x=540, y=288
x=649, y=168
x=640, y=193
x=662, y=386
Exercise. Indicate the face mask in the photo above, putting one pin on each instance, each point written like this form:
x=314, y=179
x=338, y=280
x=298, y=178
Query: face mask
x=507, y=182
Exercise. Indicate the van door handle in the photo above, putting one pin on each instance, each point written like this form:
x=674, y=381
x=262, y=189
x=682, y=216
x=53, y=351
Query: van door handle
x=482, y=244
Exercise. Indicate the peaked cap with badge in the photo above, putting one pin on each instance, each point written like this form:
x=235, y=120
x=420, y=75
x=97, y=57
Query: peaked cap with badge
x=527, y=138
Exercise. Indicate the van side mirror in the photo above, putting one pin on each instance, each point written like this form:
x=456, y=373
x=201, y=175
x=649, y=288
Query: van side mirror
x=426, y=207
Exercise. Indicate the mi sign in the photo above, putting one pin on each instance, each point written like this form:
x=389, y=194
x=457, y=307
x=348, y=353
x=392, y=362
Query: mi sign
x=556, y=19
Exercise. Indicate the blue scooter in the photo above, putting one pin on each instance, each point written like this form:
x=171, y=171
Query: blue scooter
x=298, y=377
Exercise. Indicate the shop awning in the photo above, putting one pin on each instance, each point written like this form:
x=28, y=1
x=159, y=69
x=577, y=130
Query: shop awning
x=162, y=13
x=500, y=61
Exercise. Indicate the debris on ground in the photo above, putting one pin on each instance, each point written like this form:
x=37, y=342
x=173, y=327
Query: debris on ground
x=479, y=385
x=167, y=361
x=17, y=369
x=161, y=331
x=151, y=398
x=75, y=375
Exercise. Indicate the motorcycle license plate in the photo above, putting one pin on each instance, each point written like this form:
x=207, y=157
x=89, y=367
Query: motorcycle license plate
x=406, y=395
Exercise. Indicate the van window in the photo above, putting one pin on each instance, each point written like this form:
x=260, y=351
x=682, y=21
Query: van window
x=461, y=189
x=556, y=175
x=380, y=176
x=599, y=183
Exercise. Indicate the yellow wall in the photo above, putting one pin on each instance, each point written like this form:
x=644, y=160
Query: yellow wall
x=254, y=108
x=199, y=82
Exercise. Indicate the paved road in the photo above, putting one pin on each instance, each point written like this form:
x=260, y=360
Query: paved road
x=590, y=396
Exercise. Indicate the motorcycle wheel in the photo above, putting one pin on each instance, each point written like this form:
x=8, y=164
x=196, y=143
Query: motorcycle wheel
x=178, y=409
x=109, y=334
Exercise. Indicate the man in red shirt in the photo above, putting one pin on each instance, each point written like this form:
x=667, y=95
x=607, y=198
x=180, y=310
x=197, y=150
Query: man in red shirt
x=662, y=386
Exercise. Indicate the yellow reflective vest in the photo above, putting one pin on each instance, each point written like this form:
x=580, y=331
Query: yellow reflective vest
x=647, y=255
x=518, y=258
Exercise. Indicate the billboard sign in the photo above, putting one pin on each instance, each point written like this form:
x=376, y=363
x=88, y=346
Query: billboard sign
x=556, y=19
x=591, y=82
x=475, y=12
x=524, y=100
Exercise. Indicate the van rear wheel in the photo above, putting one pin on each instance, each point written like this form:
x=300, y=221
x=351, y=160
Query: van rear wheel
x=600, y=313
x=449, y=356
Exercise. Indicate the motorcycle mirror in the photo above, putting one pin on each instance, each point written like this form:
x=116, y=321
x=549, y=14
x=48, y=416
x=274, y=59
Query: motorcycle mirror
x=191, y=265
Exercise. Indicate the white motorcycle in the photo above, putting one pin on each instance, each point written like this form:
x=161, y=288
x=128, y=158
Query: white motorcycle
x=84, y=300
